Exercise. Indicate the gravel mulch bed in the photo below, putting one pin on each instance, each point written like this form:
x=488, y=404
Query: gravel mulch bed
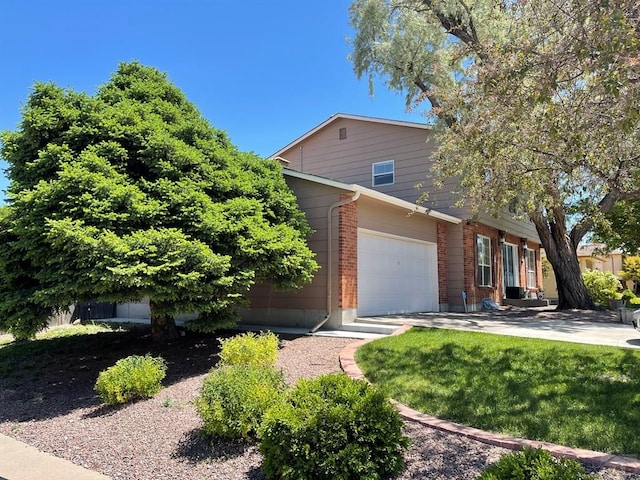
x=50, y=404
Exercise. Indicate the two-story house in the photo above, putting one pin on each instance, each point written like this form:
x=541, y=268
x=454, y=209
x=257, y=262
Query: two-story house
x=380, y=252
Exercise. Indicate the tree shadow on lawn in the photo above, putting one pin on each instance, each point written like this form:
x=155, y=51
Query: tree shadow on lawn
x=52, y=377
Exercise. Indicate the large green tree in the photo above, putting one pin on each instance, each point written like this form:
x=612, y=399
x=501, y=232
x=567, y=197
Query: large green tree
x=537, y=103
x=131, y=193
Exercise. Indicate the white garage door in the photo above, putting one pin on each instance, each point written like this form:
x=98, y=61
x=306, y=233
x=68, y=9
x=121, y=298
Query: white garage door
x=395, y=274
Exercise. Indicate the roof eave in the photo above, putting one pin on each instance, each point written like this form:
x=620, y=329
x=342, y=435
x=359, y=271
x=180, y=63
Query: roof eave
x=367, y=192
x=338, y=116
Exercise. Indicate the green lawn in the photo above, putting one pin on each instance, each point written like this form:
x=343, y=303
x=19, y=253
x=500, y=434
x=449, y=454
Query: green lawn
x=571, y=394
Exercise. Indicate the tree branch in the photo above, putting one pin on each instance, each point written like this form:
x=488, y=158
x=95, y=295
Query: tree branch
x=587, y=222
x=456, y=26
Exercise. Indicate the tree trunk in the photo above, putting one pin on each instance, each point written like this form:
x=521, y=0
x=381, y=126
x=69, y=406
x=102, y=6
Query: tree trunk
x=561, y=250
x=572, y=292
x=163, y=327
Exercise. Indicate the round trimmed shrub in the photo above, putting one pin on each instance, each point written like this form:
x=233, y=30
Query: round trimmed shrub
x=131, y=378
x=333, y=427
x=601, y=286
x=539, y=464
x=250, y=349
x=234, y=398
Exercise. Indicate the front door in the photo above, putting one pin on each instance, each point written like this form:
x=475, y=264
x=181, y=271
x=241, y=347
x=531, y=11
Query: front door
x=510, y=266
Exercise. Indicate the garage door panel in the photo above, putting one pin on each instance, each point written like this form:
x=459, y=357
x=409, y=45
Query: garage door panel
x=395, y=275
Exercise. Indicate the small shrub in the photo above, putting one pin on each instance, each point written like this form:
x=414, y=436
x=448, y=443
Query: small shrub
x=536, y=464
x=633, y=303
x=627, y=294
x=131, y=378
x=332, y=427
x=601, y=286
x=250, y=349
x=234, y=398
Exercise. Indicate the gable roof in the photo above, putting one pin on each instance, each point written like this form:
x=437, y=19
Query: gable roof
x=367, y=192
x=338, y=116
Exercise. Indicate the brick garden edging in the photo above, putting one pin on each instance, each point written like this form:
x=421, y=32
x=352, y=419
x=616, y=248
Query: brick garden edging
x=627, y=464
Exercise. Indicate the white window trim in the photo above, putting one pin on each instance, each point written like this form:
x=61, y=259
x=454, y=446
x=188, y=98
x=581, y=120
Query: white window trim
x=531, y=267
x=374, y=176
x=514, y=265
x=489, y=260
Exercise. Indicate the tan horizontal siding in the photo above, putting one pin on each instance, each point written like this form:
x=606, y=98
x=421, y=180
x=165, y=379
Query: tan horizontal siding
x=395, y=221
x=314, y=199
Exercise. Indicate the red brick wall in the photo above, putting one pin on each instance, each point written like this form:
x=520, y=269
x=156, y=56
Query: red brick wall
x=475, y=293
x=348, y=255
x=522, y=266
x=443, y=278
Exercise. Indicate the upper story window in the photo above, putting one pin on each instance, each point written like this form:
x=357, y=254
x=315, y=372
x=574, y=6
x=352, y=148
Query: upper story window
x=531, y=267
x=483, y=253
x=382, y=173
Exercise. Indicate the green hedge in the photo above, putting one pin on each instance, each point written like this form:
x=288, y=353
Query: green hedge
x=333, y=428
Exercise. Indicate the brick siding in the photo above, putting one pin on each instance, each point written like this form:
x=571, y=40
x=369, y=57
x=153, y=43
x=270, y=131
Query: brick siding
x=476, y=293
x=348, y=255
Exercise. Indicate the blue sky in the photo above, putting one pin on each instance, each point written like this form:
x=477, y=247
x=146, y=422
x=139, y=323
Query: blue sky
x=263, y=71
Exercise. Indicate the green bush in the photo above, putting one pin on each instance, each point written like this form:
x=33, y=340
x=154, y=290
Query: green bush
x=131, y=378
x=627, y=294
x=601, y=286
x=332, y=427
x=250, y=349
x=530, y=464
x=234, y=398
x=633, y=303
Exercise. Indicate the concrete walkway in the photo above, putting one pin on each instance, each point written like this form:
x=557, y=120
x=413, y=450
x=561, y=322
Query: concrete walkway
x=591, y=327
x=19, y=461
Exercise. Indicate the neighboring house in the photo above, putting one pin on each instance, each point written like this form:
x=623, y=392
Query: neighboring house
x=591, y=257
x=356, y=178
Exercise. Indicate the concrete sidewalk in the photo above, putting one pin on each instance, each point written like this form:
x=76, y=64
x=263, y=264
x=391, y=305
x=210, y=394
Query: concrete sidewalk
x=19, y=461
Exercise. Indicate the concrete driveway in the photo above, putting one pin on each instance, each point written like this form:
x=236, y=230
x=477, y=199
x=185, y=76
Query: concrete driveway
x=592, y=327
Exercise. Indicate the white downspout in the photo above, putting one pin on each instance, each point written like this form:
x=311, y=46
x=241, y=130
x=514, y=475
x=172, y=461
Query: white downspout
x=330, y=257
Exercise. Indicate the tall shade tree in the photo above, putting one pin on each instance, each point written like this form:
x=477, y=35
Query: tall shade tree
x=537, y=103
x=131, y=193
